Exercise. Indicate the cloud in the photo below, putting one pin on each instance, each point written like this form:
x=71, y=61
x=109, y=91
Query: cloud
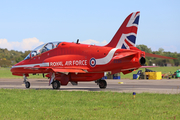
x=32, y=43
x=90, y=41
x=5, y=44
x=25, y=44
x=104, y=42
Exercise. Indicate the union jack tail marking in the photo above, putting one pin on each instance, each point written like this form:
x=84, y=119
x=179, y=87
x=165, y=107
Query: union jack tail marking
x=126, y=34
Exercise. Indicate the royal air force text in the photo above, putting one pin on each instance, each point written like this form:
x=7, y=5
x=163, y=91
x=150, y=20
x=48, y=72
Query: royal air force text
x=69, y=63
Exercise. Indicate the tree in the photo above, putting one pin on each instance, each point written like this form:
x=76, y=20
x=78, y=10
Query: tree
x=5, y=63
x=161, y=50
x=144, y=48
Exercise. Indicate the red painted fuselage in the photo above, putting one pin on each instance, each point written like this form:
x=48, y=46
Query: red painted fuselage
x=73, y=62
x=76, y=60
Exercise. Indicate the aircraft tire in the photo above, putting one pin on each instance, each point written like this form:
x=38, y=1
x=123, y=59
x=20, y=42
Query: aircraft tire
x=27, y=84
x=102, y=84
x=56, y=84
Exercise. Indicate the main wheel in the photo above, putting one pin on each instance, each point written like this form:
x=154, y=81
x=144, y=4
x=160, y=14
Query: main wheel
x=102, y=84
x=27, y=84
x=56, y=84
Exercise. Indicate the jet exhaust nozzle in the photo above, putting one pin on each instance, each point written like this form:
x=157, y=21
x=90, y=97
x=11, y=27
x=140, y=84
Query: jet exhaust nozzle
x=142, y=61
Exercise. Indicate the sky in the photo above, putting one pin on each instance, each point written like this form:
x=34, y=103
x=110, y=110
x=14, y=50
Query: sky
x=24, y=25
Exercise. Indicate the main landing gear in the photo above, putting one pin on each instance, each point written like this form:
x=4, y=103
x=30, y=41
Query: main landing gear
x=102, y=83
x=27, y=83
x=56, y=84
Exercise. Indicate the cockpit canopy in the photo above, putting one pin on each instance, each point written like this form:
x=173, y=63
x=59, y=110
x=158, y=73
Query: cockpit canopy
x=42, y=48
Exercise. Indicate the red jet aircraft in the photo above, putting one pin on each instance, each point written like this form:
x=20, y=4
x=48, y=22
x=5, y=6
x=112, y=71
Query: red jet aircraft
x=65, y=62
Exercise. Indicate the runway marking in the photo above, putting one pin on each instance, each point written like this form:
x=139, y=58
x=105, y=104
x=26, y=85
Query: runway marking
x=120, y=82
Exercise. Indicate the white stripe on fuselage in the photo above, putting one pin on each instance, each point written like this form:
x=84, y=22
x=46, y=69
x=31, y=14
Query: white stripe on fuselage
x=32, y=65
x=107, y=59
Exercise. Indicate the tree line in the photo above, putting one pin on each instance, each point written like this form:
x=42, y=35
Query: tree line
x=159, y=61
x=9, y=58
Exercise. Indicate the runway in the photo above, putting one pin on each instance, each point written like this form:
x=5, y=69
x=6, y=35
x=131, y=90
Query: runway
x=166, y=86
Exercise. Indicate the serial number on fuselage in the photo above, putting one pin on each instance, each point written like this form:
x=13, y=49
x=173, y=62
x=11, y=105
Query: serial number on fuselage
x=69, y=63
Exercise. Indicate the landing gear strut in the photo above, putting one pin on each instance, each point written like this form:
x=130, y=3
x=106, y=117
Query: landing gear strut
x=27, y=83
x=102, y=83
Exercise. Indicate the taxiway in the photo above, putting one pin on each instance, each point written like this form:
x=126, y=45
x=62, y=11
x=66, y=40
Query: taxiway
x=166, y=86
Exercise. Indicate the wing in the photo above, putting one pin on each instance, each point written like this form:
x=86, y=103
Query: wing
x=158, y=56
x=69, y=70
x=60, y=70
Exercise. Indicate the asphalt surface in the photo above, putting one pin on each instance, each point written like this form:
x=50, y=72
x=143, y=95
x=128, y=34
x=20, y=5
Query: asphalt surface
x=166, y=86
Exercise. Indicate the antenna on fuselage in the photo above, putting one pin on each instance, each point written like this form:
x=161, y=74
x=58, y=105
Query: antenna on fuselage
x=77, y=41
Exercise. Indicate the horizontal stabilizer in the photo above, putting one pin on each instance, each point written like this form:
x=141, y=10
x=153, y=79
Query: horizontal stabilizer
x=124, y=54
x=158, y=56
x=147, y=66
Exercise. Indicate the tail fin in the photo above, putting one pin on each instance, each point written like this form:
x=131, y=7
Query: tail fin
x=126, y=34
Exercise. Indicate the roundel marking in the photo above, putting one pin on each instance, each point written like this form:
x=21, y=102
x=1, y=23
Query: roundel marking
x=92, y=62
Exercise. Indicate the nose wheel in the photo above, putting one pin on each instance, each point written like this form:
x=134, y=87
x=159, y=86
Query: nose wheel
x=27, y=83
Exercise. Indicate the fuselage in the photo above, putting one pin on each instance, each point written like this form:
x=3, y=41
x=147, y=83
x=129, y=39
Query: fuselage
x=92, y=58
x=65, y=62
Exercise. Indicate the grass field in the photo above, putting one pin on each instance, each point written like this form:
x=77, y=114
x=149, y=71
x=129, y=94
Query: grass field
x=6, y=73
x=81, y=105
x=52, y=104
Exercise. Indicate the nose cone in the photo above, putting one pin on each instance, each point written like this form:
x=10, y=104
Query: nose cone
x=15, y=67
x=12, y=69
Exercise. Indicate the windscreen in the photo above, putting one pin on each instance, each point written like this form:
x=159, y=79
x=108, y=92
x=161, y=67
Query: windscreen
x=42, y=48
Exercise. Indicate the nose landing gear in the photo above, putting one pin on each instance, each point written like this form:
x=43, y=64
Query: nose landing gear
x=27, y=83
